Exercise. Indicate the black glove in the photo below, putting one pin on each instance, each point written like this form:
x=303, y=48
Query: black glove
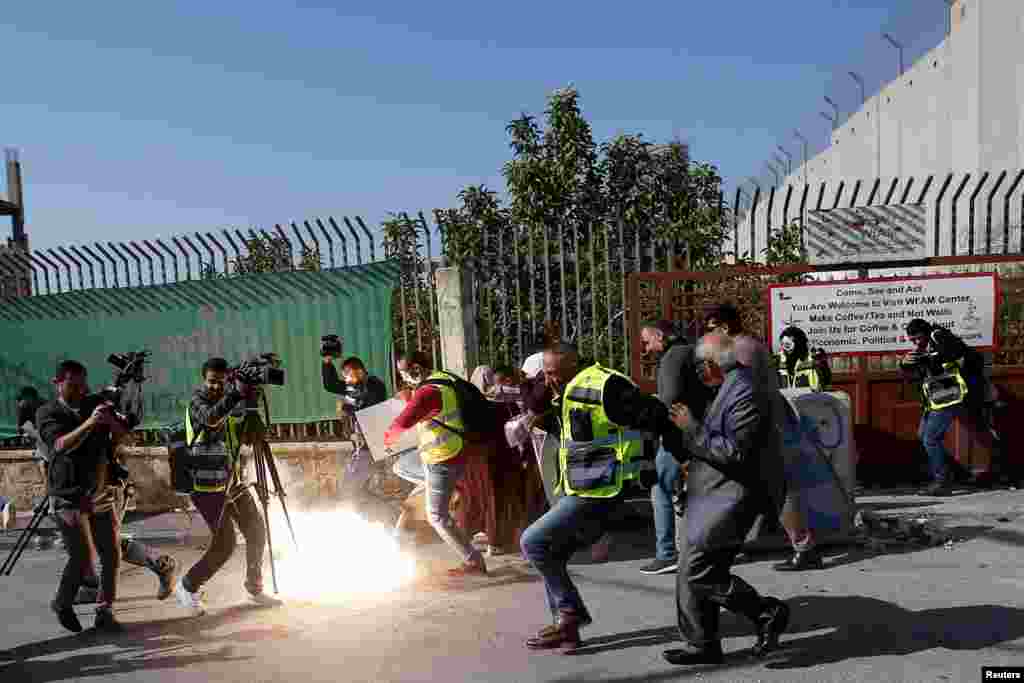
x=249, y=374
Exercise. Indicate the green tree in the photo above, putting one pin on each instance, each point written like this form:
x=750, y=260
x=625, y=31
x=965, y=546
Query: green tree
x=577, y=217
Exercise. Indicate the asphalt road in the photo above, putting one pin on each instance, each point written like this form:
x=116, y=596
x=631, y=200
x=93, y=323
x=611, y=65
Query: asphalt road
x=909, y=614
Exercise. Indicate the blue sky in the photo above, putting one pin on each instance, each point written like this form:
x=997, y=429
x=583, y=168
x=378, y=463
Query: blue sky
x=140, y=120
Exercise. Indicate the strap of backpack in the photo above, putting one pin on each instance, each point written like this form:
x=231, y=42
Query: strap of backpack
x=451, y=385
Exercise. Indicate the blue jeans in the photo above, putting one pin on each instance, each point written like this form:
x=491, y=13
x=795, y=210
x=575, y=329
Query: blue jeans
x=572, y=524
x=441, y=479
x=668, y=471
x=932, y=432
x=410, y=467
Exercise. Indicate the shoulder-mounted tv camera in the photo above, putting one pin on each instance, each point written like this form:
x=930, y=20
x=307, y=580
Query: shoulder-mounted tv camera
x=266, y=369
x=130, y=368
x=330, y=346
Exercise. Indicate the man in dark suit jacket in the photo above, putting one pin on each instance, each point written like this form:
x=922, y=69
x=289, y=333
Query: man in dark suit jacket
x=735, y=473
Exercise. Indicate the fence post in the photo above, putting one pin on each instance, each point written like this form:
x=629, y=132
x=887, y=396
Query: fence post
x=457, y=320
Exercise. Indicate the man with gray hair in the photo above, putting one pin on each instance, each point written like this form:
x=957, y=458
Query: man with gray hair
x=735, y=474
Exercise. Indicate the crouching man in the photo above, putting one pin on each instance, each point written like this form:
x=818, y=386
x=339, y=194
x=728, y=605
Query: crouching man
x=735, y=473
x=602, y=420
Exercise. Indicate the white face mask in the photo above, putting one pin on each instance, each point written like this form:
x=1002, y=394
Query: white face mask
x=788, y=344
x=410, y=378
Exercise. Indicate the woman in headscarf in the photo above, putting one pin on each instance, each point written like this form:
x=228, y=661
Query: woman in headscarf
x=502, y=489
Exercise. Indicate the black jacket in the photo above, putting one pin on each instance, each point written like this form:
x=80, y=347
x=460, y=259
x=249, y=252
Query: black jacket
x=75, y=473
x=203, y=410
x=626, y=406
x=358, y=396
x=678, y=381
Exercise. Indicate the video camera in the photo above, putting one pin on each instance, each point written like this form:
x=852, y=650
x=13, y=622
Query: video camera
x=130, y=369
x=266, y=369
x=330, y=346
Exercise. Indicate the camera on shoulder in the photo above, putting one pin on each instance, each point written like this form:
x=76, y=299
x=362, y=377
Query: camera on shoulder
x=330, y=346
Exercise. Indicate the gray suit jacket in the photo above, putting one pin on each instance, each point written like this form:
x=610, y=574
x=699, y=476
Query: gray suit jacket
x=736, y=470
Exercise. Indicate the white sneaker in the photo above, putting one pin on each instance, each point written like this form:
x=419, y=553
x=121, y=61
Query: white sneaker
x=7, y=515
x=264, y=600
x=190, y=601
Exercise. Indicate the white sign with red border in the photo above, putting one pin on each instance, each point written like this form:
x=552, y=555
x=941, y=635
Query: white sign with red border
x=863, y=317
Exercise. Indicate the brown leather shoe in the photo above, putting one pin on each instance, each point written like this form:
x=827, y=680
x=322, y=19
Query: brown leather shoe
x=565, y=635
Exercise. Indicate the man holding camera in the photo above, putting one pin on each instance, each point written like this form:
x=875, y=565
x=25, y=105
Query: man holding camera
x=79, y=432
x=132, y=551
x=358, y=389
x=951, y=376
x=222, y=498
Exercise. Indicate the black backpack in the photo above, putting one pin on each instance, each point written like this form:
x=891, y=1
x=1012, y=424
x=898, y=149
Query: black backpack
x=478, y=414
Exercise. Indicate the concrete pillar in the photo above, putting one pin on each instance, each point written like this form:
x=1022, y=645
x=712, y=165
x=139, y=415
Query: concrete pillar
x=456, y=321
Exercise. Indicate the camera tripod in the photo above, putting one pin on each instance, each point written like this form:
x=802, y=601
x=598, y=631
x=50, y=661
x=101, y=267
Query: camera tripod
x=252, y=432
x=38, y=515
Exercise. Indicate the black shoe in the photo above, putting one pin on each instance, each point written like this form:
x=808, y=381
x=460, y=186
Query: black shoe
x=809, y=559
x=106, y=622
x=692, y=655
x=67, y=618
x=770, y=625
x=660, y=567
x=936, y=488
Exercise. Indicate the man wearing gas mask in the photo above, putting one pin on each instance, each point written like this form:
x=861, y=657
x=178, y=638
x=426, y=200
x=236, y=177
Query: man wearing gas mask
x=736, y=473
x=799, y=366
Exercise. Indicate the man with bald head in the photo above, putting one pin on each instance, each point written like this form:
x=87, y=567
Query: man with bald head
x=735, y=474
x=601, y=419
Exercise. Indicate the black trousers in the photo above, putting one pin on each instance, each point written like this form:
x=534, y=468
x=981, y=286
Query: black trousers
x=705, y=584
x=78, y=531
x=243, y=513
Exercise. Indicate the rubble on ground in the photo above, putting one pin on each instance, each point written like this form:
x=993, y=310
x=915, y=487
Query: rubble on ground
x=876, y=531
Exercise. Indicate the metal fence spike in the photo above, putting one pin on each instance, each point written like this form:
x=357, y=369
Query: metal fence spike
x=188, y=259
x=113, y=265
x=369, y=236
x=209, y=250
x=327, y=236
x=341, y=236
x=149, y=260
x=163, y=261
x=199, y=256
x=67, y=268
x=355, y=236
x=99, y=260
x=116, y=248
x=56, y=268
x=222, y=250
x=89, y=263
x=78, y=266
x=22, y=258
x=174, y=258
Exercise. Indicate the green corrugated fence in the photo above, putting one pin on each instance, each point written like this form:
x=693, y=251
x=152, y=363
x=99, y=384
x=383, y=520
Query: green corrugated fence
x=185, y=323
